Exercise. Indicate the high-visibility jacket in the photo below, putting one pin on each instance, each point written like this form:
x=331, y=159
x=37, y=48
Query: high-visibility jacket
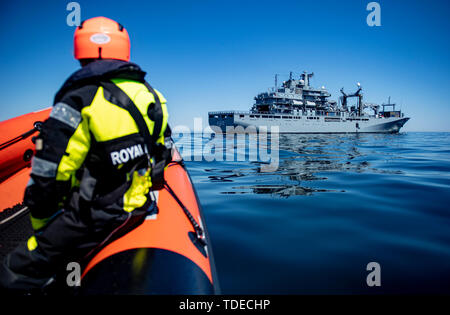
x=90, y=153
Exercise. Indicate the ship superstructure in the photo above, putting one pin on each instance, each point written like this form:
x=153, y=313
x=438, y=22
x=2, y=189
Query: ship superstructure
x=297, y=107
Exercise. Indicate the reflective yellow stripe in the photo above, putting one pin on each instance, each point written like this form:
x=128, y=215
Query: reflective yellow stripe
x=32, y=243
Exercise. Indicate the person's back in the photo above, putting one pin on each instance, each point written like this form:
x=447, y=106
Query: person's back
x=98, y=157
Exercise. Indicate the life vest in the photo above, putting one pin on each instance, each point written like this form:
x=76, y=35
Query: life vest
x=105, y=142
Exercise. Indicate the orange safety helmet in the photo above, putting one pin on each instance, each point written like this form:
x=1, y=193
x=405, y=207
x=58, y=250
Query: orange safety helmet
x=101, y=38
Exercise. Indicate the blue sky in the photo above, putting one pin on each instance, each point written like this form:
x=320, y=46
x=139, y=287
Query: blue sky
x=215, y=55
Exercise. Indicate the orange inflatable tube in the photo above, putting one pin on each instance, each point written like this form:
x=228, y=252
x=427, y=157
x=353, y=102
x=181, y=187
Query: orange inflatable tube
x=16, y=143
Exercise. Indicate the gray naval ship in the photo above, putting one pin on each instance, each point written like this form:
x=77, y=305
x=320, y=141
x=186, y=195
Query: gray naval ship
x=297, y=107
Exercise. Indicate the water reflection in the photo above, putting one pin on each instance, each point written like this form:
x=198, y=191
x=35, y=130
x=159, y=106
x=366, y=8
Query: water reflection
x=303, y=161
x=277, y=190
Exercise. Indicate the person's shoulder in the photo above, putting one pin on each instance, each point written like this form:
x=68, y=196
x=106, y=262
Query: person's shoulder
x=161, y=97
x=78, y=97
x=152, y=90
x=85, y=81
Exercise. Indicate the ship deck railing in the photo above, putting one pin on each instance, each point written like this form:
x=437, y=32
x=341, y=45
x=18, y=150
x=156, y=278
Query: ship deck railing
x=229, y=112
x=287, y=114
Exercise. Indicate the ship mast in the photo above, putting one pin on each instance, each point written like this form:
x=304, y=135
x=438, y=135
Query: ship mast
x=389, y=104
x=306, y=76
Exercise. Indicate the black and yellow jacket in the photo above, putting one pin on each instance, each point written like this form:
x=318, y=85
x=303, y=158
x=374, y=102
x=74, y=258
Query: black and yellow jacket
x=91, y=145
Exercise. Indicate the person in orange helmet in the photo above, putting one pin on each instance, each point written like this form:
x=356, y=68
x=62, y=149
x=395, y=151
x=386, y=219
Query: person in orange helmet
x=98, y=158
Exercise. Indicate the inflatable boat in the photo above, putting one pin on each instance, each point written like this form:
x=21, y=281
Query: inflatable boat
x=169, y=253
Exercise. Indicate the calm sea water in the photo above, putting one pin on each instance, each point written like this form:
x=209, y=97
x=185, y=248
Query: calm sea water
x=335, y=203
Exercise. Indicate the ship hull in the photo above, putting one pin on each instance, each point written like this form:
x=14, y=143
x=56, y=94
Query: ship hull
x=308, y=124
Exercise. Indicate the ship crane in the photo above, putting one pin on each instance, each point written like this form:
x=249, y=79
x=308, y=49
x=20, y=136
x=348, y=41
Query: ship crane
x=357, y=94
